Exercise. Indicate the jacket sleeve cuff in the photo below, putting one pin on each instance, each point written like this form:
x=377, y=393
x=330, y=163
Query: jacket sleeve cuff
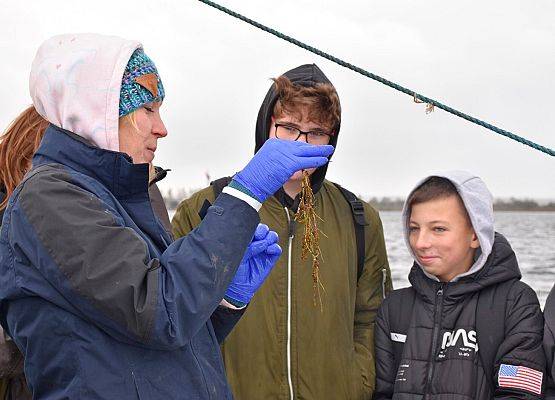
x=233, y=304
x=234, y=191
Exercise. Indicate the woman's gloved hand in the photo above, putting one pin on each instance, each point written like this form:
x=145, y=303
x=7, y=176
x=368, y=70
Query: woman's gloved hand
x=260, y=257
x=276, y=161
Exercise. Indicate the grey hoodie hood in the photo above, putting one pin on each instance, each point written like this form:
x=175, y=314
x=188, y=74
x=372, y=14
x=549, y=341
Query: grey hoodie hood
x=478, y=202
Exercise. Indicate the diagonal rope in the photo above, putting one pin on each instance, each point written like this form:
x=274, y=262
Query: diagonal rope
x=417, y=97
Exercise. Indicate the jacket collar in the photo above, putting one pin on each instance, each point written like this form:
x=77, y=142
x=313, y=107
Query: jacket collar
x=113, y=169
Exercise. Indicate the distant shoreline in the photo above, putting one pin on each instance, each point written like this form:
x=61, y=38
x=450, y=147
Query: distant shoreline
x=513, y=205
x=396, y=204
x=495, y=209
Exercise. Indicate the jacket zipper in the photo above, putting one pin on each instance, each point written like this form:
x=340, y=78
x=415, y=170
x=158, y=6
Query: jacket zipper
x=384, y=279
x=437, y=324
x=291, y=227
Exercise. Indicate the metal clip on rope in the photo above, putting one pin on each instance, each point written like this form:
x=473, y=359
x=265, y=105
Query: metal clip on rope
x=430, y=103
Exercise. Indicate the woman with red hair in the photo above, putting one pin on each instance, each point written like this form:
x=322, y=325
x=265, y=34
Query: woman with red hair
x=17, y=146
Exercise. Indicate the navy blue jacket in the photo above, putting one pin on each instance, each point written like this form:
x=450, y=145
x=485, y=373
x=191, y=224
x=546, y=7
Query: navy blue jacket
x=94, y=293
x=2, y=197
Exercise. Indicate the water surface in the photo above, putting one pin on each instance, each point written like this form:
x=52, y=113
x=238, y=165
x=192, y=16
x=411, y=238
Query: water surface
x=531, y=235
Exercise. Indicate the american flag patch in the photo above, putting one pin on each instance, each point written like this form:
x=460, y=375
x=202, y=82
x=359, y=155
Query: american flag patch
x=512, y=376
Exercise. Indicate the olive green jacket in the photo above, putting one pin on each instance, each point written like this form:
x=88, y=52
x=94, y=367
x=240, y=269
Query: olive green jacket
x=331, y=351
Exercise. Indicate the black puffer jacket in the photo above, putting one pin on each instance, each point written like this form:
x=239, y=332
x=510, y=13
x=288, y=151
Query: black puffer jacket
x=453, y=370
x=549, y=343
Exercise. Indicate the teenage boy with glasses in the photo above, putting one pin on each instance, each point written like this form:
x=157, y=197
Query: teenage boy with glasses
x=284, y=347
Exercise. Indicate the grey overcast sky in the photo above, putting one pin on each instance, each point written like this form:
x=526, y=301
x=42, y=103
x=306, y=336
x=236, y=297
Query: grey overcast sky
x=492, y=59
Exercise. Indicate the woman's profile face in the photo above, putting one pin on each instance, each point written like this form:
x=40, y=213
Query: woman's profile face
x=140, y=140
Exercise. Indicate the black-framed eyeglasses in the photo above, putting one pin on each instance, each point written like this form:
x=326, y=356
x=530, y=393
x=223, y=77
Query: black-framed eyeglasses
x=288, y=132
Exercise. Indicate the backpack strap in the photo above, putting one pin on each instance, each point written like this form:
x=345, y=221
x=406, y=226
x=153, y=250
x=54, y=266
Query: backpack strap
x=217, y=186
x=400, y=310
x=357, y=209
x=490, y=324
x=159, y=174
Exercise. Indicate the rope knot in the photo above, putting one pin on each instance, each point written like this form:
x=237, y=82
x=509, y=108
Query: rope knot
x=429, y=106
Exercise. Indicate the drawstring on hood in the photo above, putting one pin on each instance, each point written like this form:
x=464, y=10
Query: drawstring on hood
x=478, y=202
x=75, y=84
x=307, y=75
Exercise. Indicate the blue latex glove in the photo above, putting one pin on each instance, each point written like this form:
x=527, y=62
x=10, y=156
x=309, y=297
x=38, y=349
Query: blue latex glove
x=276, y=161
x=260, y=257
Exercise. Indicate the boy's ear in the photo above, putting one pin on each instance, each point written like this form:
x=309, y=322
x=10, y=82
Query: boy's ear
x=271, y=127
x=475, y=243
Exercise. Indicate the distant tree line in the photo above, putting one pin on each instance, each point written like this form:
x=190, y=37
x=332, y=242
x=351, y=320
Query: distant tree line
x=513, y=204
x=522, y=205
x=173, y=197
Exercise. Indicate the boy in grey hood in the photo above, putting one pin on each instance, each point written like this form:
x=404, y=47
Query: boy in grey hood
x=467, y=327
x=478, y=202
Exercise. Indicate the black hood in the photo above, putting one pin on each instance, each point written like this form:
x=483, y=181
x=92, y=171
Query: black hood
x=305, y=75
x=501, y=266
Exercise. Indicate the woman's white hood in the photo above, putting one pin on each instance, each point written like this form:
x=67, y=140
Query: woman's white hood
x=75, y=84
x=478, y=202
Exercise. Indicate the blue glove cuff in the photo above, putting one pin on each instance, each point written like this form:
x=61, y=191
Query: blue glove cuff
x=236, y=185
x=233, y=302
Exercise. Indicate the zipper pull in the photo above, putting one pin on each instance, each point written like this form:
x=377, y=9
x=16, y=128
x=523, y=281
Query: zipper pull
x=292, y=226
x=440, y=291
x=384, y=280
